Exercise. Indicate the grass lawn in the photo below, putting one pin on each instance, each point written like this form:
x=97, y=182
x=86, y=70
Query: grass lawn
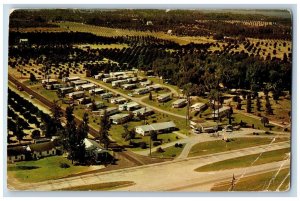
x=258, y=182
x=245, y=161
x=170, y=152
x=100, y=186
x=210, y=147
x=257, y=123
x=43, y=169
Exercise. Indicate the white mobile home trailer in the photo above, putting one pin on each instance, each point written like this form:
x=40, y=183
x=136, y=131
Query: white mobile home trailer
x=49, y=81
x=118, y=83
x=110, y=111
x=141, y=91
x=128, y=86
x=53, y=86
x=119, y=118
x=129, y=106
x=65, y=90
x=76, y=94
x=96, y=91
x=70, y=79
x=164, y=98
x=198, y=106
x=143, y=111
x=78, y=82
x=85, y=87
x=179, y=103
x=106, y=95
x=109, y=79
x=118, y=100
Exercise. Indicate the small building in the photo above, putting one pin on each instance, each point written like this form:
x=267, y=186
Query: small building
x=15, y=154
x=149, y=23
x=164, y=98
x=129, y=106
x=76, y=94
x=97, y=104
x=96, y=91
x=141, y=91
x=118, y=100
x=143, y=111
x=49, y=81
x=198, y=106
x=128, y=86
x=41, y=150
x=204, y=126
x=85, y=87
x=179, y=103
x=70, y=79
x=119, y=118
x=92, y=148
x=162, y=127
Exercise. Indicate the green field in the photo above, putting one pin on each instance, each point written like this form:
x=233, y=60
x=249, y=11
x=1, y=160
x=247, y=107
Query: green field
x=43, y=169
x=210, y=147
x=170, y=152
x=258, y=182
x=245, y=161
x=100, y=186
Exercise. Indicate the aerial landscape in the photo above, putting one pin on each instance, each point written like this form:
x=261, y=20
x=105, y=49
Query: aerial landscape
x=149, y=100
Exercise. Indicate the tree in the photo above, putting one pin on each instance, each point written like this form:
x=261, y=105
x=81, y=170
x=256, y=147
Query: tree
x=19, y=129
x=269, y=110
x=258, y=103
x=128, y=134
x=70, y=134
x=32, y=77
x=105, y=125
x=229, y=114
x=81, y=134
x=150, y=96
x=57, y=113
x=153, y=135
x=249, y=103
x=264, y=121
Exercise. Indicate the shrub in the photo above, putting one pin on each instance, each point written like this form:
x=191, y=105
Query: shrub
x=159, y=150
x=156, y=143
x=143, y=145
x=64, y=165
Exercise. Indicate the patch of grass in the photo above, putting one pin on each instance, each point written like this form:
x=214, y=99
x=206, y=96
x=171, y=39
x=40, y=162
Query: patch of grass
x=100, y=186
x=210, y=147
x=245, y=161
x=44, y=169
x=257, y=123
x=257, y=182
x=170, y=152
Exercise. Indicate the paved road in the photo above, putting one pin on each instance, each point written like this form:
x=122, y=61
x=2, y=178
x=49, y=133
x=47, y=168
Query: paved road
x=138, y=100
x=164, y=176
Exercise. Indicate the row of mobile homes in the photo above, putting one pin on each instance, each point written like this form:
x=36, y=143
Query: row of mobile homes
x=86, y=87
x=76, y=94
x=179, y=103
x=129, y=106
x=164, y=98
x=162, y=127
x=65, y=90
x=132, y=80
x=49, y=81
x=143, y=111
x=128, y=86
x=118, y=83
x=119, y=118
x=199, y=107
x=118, y=100
x=106, y=95
x=70, y=79
x=141, y=91
x=96, y=91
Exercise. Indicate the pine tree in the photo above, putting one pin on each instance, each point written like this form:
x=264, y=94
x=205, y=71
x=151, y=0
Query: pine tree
x=249, y=104
x=82, y=133
x=258, y=103
x=19, y=130
x=150, y=96
x=70, y=134
x=104, y=128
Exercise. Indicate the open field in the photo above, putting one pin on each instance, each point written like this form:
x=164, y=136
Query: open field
x=210, y=147
x=100, y=186
x=245, y=161
x=45, y=169
x=259, y=182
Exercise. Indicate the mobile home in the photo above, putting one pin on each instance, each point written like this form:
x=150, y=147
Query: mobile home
x=162, y=127
x=179, y=103
x=164, y=98
x=76, y=94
